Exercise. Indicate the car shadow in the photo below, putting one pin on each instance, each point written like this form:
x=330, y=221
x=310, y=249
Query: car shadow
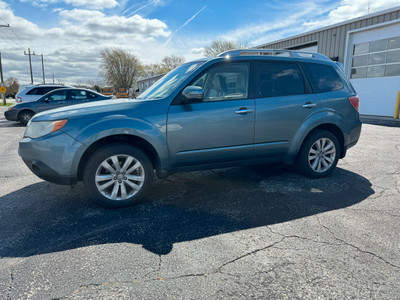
x=45, y=218
x=6, y=123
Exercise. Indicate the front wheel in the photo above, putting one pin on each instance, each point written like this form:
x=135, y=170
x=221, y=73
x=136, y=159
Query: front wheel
x=118, y=175
x=25, y=116
x=318, y=155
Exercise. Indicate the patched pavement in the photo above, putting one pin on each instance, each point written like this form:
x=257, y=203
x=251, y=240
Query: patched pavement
x=258, y=232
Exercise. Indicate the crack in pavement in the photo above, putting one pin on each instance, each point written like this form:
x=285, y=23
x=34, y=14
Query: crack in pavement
x=158, y=278
x=356, y=247
x=10, y=285
x=373, y=210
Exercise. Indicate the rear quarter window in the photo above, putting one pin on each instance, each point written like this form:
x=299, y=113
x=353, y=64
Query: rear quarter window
x=36, y=91
x=323, y=78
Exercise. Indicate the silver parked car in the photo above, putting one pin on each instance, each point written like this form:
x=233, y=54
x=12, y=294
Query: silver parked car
x=28, y=93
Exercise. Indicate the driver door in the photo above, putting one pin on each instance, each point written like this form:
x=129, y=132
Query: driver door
x=54, y=100
x=221, y=126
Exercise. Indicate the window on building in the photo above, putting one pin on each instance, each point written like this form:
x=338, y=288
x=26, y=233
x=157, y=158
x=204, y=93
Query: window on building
x=376, y=58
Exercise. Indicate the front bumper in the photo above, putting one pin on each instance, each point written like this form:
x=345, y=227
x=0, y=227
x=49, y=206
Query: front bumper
x=11, y=115
x=51, y=157
x=44, y=172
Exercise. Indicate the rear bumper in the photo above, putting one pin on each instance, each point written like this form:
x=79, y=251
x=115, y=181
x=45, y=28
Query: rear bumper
x=351, y=139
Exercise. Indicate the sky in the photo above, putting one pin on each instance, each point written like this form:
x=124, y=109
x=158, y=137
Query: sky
x=71, y=33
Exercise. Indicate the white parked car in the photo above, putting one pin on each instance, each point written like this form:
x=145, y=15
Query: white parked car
x=28, y=93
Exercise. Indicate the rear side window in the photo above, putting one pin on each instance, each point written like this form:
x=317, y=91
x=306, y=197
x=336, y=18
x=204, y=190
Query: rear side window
x=42, y=90
x=50, y=88
x=77, y=95
x=91, y=95
x=279, y=79
x=323, y=78
x=36, y=91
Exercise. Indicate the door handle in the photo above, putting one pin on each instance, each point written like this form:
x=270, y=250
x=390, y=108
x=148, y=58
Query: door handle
x=244, y=110
x=309, y=105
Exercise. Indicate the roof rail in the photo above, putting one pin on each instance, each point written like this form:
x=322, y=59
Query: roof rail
x=273, y=52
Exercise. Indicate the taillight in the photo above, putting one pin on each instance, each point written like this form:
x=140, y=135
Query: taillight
x=19, y=99
x=355, y=101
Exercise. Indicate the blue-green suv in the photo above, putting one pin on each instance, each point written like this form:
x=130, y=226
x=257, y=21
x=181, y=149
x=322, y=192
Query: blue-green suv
x=244, y=106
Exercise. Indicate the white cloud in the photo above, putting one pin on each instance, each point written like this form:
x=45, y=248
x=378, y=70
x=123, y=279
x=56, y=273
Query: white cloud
x=72, y=48
x=349, y=9
x=96, y=4
x=197, y=50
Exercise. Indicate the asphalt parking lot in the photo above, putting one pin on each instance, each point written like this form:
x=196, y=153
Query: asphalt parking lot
x=261, y=232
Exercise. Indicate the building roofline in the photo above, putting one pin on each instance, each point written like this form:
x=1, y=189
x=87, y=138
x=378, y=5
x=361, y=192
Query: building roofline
x=382, y=12
x=150, y=77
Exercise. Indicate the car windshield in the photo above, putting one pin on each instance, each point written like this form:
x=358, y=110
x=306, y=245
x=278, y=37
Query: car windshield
x=165, y=85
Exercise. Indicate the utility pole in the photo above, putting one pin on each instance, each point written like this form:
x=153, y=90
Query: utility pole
x=30, y=61
x=44, y=79
x=2, y=80
x=1, y=71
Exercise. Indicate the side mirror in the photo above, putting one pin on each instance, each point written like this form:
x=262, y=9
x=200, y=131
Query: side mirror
x=192, y=94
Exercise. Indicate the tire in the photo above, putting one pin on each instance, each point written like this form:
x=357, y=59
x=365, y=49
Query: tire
x=25, y=116
x=318, y=155
x=118, y=175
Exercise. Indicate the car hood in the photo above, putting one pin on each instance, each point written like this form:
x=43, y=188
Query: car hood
x=78, y=110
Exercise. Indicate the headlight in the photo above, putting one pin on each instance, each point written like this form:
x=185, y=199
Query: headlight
x=38, y=129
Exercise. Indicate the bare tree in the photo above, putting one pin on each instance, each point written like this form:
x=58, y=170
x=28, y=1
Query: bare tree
x=119, y=68
x=172, y=61
x=153, y=69
x=218, y=46
x=12, y=86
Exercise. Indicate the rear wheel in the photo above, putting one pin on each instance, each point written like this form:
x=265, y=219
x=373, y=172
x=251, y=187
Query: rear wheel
x=318, y=155
x=118, y=175
x=25, y=116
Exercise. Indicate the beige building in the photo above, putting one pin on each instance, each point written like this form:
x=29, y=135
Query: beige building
x=368, y=47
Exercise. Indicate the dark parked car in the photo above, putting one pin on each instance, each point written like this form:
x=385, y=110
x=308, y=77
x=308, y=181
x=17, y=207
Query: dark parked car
x=23, y=112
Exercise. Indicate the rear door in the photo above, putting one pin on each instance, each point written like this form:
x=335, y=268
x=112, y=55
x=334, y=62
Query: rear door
x=77, y=96
x=221, y=127
x=284, y=101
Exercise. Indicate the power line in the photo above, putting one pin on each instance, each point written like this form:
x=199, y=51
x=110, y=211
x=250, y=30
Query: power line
x=12, y=40
x=13, y=32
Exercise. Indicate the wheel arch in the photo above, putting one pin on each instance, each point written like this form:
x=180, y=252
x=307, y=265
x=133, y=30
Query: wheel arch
x=132, y=140
x=331, y=128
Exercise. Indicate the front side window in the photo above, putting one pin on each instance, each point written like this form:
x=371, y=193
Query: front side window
x=323, y=78
x=279, y=79
x=169, y=82
x=225, y=82
x=58, y=96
